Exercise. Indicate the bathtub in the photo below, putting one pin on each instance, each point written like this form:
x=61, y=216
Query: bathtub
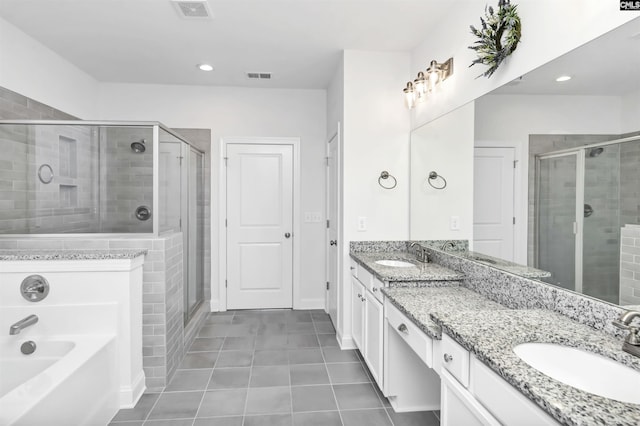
x=68, y=380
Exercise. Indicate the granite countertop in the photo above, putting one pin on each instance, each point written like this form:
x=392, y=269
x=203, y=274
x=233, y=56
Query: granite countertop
x=491, y=335
x=37, y=254
x=420, y=303
x=419, y=272
x=505, y=265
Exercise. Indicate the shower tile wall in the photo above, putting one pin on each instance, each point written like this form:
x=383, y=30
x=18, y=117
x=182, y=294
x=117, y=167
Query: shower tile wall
x=630, y=265
x=127, y=179
x=68, y=203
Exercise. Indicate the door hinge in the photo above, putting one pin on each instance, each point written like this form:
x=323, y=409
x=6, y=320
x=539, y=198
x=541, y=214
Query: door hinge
x=514, y=163
x=225, y=160
x=514, y=220
x=225, y=223
x=327, y=160
x=328, y=223
x=225, y=283
x=327, y=285
x=180, y=223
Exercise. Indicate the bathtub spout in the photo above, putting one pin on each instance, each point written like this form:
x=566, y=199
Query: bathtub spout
x=23, y=323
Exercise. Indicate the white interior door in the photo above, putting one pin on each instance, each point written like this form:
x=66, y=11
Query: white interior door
x=259, y=226
x=332, y=227
x=493, y=217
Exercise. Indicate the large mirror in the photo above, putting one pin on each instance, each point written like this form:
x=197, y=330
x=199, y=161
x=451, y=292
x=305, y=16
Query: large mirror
x=556, y=171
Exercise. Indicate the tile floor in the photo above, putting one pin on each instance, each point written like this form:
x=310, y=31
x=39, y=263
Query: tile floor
x=269, y=368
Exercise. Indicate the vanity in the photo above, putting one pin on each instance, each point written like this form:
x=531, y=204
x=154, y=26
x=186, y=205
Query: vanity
x=473, y=344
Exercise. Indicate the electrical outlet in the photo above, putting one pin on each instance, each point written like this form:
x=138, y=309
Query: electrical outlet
x=454, y=223
x=362, y=223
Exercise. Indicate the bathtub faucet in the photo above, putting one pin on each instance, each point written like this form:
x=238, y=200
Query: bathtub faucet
x=22, y=324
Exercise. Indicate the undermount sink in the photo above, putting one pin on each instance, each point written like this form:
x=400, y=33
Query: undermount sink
x=395, y=263
x=584, y=370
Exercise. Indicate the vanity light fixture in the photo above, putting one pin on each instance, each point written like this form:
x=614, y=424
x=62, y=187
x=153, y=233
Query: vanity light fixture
x=426, y=81
x=563, y=78
x=205, y=67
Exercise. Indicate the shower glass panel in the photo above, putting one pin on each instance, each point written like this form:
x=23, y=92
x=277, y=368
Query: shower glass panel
x=170, y=182
x=556, y=218
x=194, y=290
x=601, y=223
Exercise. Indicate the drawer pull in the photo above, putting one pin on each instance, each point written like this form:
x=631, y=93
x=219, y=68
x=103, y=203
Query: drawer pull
x=359, y=296
x=375, y=289
x=448, y=358
x=403, y=329
x=352, y=267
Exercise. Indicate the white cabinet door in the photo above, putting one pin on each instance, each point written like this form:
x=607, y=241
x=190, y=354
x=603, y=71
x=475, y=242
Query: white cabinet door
x=357, y=312
x=373, y=320
x=459, y=408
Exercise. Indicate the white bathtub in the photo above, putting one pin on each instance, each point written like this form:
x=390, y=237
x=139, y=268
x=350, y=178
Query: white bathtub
x=68, y=380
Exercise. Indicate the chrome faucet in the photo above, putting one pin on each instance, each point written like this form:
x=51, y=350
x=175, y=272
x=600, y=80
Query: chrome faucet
x=22, y=324
x=421, y=253
x=448, y=244
x=632, y=341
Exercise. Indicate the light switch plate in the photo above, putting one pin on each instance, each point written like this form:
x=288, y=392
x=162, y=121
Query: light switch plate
x=362, y=223
x=454, y=223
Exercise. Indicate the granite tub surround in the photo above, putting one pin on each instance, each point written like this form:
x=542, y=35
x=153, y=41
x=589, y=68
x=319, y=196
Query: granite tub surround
x=37, y=254
x=491, y=335
x=418, y=304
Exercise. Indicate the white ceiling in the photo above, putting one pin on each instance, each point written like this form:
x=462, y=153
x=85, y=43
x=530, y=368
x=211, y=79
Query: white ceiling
x=608, y=65
x=146, y=41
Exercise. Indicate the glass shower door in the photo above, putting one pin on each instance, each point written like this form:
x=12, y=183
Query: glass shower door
x=558, y=225
x=194, y=284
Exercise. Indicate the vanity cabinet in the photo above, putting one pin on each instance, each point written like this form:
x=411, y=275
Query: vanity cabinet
x=367, y=317
x=472, y=394
x=411, y=382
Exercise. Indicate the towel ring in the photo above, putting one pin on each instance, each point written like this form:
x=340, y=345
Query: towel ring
x=385, y=175
x=434, y=176
x=45, y=173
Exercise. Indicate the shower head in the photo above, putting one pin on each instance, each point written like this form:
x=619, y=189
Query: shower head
x=139, y=147
x=594, y=152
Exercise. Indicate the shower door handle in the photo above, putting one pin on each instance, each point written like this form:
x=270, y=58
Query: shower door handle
x=287, y=235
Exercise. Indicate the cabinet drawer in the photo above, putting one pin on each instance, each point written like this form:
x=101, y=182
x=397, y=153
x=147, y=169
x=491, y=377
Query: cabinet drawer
x=354, y=268
x=505, y=402
x=455, y=359
x=419, y=342
x=376, y=289
x=365, y=276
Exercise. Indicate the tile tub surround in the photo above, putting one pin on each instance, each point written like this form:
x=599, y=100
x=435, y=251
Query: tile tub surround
x=418, y=304
x=491, y=335
x=420, y=272
x=164, y=338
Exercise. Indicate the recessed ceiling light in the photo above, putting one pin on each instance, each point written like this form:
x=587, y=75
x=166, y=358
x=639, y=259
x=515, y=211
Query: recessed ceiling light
x=563, y=78
x=205, y=67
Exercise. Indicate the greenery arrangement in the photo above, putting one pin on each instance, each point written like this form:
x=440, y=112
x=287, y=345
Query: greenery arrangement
x=498, y=37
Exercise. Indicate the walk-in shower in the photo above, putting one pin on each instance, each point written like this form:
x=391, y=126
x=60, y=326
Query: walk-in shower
x=79, y=178
x=584, y=198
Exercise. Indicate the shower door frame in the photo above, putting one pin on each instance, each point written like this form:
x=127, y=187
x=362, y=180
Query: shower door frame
x=578, y=224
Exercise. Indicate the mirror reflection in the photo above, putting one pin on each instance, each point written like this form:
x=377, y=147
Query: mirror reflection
x=556, y=171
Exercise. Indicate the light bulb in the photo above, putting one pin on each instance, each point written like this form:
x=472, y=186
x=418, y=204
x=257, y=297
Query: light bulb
x=420, y=85
x=409, y=95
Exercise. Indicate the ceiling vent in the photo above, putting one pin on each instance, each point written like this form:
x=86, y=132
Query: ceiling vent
x=259, y=75
x=191, y=9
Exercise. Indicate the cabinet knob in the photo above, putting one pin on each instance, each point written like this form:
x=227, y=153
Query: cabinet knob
x=402, y=328
x=359, y=296
x=375, y=289
x=448, y=357
x=333, y=242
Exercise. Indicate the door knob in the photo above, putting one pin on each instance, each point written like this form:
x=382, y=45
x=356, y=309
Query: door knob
x=287, y=235
x=333, y=242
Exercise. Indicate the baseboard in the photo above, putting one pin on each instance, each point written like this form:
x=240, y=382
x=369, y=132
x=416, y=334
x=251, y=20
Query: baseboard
x=129, y=395
x=215, y=305
x=345, y=342
x=309, y=304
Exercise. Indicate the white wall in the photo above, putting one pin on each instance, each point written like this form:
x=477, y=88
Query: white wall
x=508, y=120
x=31, y=69
x=630, y=113
x=550, y=28
x=235, y=112
x=436, y=146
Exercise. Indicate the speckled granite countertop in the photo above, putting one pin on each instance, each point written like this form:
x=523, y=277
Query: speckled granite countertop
x=71, y=254
x=420, y=303
x=419, y=272
x=505, y=265
x=491, y=335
